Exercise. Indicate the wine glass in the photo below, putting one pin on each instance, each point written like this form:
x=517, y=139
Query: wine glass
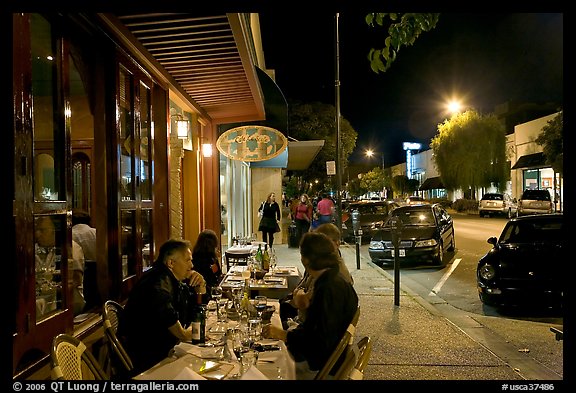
x=216, y=292
x=260, y=303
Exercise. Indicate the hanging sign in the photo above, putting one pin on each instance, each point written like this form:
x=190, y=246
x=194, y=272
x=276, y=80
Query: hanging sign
x=251, y=143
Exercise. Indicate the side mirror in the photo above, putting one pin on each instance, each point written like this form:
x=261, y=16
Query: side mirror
x=492, y=240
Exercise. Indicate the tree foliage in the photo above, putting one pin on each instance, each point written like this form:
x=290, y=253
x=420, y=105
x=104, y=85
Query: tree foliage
x=551, y=138
x=402, y=185
x=470, y=152
x=403, y=30
x=372, y=181
x=314, y=121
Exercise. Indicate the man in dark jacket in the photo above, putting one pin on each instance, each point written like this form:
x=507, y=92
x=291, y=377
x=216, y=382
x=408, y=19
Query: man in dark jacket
x=158, y=311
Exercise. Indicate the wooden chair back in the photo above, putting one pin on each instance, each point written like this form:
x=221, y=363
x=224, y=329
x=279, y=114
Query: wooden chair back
x=71, y=360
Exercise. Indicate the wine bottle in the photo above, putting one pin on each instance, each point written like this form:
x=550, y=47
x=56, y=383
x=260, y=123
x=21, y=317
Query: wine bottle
x=199, y=324
x=266, y=259
x=259, y=257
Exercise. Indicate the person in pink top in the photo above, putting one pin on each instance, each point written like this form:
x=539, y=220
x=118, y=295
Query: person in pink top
x=325, y=210
x=302, y=216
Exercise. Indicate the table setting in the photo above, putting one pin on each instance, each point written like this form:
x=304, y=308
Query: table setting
x=234, y=347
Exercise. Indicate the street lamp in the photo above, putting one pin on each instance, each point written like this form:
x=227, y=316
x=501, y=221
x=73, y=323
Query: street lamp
x=370, y=153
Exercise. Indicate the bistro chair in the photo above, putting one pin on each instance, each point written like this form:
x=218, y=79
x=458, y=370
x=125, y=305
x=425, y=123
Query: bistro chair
x=344, y=344
x=233, y=258
x=71, y=360
x=355, y=361
x=119, y=362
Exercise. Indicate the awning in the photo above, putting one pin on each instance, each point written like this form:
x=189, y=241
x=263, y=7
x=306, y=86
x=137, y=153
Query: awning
x=302, y=153
x=432, y=183
x=536, y=160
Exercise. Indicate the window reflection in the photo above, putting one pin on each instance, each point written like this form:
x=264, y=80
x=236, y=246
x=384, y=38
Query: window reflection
x=47, y=232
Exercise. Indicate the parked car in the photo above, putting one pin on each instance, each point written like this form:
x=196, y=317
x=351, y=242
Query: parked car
x=535, y=202
x=525, y=265
x=497, y=204
x=427, y=230
x=371, y=215
x=415, y=200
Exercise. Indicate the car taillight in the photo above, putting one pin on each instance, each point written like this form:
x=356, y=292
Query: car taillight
x=487, y=272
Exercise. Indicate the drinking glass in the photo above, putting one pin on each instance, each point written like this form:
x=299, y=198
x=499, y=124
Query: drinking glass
x=260, y=303
x=217, y=295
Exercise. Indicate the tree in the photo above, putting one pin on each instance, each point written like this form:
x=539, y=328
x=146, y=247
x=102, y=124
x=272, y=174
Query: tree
x=470, y=152
x=401, y=33
x=311, y=121
x=372, y=181
x=551, y=138
x=402, y=185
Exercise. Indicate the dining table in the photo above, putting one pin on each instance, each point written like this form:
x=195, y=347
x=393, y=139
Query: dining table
x=215, y=359
x=275, y=283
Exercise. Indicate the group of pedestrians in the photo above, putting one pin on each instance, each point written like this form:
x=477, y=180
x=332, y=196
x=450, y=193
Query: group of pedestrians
x=307, y=215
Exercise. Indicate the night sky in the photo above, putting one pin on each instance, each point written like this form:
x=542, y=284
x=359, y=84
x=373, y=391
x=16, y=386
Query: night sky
x=482, y=59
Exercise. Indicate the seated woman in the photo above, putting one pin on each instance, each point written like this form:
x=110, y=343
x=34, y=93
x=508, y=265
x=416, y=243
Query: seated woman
x=330, y=311
x=205, y=257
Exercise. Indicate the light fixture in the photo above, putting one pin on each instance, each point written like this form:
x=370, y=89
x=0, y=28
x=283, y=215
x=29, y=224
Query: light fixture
x=207, y=150
x=182, y=125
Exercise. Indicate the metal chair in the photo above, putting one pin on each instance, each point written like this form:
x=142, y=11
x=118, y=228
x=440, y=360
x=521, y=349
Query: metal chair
x=70, y=360
x=343, y=346
x=120, y=363
x=355, y=361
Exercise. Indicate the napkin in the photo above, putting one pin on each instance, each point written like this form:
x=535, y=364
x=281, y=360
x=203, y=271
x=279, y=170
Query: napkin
x=201, y=352
x=188, y=374
x=253, y=374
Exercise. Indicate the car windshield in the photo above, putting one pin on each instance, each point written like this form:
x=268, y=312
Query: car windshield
x=370, y=209
x=412, y=217
x=493, y=197
x=541, y=195
x=532, y=232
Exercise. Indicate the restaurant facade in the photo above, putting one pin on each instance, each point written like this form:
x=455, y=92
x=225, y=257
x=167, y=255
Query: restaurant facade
x=119, y=115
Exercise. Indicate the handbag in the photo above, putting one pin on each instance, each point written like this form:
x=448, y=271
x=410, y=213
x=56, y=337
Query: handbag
x=261, y=210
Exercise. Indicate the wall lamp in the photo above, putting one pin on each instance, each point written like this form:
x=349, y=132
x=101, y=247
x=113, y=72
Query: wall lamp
x=182, y=126
x=207, y=150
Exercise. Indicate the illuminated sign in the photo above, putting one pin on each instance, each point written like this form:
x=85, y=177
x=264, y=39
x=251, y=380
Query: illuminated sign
x=412, y=146
x=251, y=143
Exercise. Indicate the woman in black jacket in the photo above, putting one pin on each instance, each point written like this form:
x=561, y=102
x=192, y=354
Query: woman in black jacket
x=270, y=218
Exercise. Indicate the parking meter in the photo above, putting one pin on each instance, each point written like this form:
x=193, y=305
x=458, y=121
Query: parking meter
x=396, y=224
x=357, y=234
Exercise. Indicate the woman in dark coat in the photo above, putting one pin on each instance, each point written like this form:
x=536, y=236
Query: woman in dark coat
x=206, y=259
x=270, y=218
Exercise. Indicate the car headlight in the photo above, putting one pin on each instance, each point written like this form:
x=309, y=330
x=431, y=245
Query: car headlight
x=487, y=272
x=376, y=245
x=426, y=243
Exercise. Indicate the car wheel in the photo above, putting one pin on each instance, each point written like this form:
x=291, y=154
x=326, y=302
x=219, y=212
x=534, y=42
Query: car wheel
x=452, y=243
x=440, y=256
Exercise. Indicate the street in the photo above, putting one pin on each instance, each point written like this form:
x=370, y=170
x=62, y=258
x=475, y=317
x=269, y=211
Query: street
x=452, y=289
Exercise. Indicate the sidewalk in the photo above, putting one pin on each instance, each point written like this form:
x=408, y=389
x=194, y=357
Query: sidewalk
x=417, y=341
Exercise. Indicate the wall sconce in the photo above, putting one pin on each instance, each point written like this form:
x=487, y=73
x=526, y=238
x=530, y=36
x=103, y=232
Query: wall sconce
x=207, y=150
x=182, y=126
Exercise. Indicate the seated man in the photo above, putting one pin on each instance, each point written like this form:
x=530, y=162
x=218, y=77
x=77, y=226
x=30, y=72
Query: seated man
x=158, y=312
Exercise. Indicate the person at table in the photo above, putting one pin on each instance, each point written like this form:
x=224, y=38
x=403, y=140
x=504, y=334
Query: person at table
x=48, y=260
x=158, y=311
x=206, y=260
x=330, y=311
x=85, y=235
x=302, y=216
x=270, y=218
x=294, y=306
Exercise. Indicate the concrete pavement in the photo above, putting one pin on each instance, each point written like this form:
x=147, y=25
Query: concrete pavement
x=420, y=340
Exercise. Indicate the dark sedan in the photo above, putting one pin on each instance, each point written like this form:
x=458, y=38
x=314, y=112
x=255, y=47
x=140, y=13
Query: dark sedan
x=426, y=231
x=525, y=265
x=370, y=214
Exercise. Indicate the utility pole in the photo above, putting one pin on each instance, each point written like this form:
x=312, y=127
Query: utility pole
x=338, y=144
